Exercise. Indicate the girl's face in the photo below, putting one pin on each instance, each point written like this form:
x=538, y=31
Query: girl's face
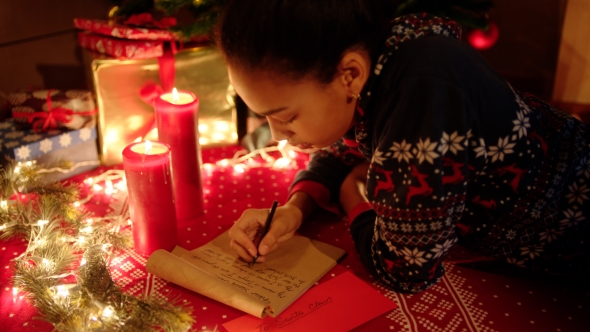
x=306, y=113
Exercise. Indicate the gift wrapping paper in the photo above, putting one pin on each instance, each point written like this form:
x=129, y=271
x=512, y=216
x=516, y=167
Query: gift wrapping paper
x=50, y=148
x=121, y=48
x=112, y=29
x=72, y=109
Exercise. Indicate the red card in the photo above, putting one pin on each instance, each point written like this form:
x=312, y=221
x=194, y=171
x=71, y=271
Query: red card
x=340, y=304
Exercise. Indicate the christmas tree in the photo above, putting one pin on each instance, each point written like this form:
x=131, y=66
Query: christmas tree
x=197, y=17
x=469, y=13
x=193, y=17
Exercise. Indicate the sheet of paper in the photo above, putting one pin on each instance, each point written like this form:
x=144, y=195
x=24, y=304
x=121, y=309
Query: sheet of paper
x=267, y=288
x=339, y=304
x=174, y=269
x=285, y=274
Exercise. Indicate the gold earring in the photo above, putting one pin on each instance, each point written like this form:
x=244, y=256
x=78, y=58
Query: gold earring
x=355, y=96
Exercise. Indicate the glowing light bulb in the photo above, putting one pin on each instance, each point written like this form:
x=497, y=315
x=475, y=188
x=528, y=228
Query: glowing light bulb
x=3, y=204
x=282, y=163
x=97, y=187
x=42, y=222
x=221, y=126
x=107, y=312
x=218, y=136
x=14, y=291
x=2, y=227
x=203, y=128
x=239, y=169
x=16, y=170
x=76, y=204
x=81, y=239
x=208, y=167
x=62, y=291
x=121, y=185
x=109, y=187
x=223, y=162
x=83, y=261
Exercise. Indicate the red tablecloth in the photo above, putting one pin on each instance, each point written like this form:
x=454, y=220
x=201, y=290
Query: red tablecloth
x=466, y=299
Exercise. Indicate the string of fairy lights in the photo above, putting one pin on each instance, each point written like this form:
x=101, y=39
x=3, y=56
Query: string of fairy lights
x=83, y=249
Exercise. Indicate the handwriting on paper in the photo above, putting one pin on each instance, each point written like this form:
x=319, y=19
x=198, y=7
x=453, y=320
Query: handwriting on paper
x=262, y=283
x=286, y=319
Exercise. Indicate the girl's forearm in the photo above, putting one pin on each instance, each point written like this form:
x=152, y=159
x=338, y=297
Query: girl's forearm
x=303, y=202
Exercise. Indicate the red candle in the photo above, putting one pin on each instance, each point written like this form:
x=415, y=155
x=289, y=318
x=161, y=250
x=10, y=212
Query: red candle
x=151, y=196
x=176, y=117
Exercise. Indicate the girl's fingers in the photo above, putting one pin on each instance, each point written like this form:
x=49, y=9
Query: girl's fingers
x=243, y=253
x=241, y=239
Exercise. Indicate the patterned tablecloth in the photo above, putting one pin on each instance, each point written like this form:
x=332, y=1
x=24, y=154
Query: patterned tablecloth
x=466, y=299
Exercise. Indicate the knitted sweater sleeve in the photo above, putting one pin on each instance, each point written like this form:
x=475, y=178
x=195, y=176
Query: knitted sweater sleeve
x=325, y=173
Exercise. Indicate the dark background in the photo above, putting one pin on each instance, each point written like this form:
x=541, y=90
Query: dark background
x=38, y=44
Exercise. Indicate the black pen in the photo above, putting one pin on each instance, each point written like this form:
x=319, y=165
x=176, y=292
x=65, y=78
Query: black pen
x=266, y=228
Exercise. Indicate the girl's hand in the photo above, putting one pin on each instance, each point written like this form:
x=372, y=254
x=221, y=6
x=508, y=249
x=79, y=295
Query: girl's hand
x=352, y=190
x=286, y=221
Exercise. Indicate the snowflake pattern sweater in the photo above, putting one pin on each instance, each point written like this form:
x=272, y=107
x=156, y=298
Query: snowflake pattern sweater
x=456, y=154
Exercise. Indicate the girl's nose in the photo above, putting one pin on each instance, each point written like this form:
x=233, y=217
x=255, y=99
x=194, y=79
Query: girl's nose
x=278, y=133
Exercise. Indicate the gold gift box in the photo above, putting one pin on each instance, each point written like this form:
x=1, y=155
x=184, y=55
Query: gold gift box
x=123, y=117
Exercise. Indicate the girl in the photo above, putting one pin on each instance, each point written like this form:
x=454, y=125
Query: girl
x=422, y=143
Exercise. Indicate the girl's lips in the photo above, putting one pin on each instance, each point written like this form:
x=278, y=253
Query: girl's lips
x=304, y=146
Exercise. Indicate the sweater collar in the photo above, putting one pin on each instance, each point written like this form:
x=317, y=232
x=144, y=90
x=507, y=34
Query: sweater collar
x=402, y=29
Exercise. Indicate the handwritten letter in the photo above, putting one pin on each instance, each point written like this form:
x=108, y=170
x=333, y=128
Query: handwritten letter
x=278, y=281
x=214, y=270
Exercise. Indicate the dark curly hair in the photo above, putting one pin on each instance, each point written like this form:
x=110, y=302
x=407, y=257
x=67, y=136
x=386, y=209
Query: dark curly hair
x=300, y=37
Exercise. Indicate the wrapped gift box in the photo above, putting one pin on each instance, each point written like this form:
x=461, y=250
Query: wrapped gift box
x=123, y=117
x=121, y=48
x=50, y=148
x=50, y=109
x=108, y=28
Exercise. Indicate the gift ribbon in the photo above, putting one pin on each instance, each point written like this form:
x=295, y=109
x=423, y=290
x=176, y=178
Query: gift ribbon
x=49, y=119
x=152, y=90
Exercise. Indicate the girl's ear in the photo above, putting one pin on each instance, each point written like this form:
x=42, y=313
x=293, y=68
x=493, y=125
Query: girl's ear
x=353, y=70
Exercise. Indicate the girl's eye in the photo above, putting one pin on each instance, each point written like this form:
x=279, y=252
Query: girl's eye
x=288, y=121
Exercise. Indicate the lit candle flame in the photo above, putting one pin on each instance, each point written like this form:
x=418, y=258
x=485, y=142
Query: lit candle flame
x=148, y=147
x=175, y=95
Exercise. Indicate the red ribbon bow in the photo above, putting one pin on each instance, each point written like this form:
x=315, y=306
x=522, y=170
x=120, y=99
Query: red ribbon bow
x=49, y=119
x=146, y=19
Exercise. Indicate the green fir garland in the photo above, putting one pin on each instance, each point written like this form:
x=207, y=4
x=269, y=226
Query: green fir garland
x=64, y=270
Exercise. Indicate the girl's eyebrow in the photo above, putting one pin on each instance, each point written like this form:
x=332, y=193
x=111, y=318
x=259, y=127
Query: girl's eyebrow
x=271, y=112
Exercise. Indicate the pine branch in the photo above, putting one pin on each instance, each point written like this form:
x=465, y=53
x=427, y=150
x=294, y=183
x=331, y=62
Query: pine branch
x=57, y=233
